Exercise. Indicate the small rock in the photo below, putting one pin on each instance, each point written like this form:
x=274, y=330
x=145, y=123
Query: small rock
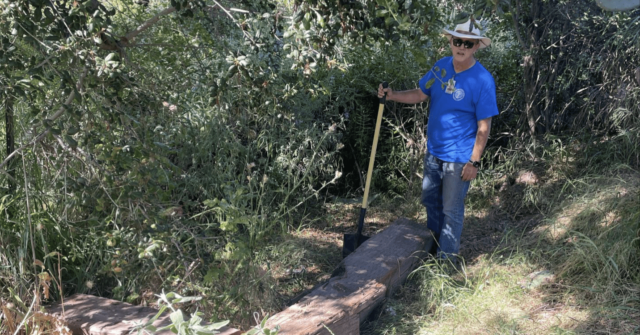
x=527, y=178
x=299, y=271
x=504, y=186
x=448, y=306
x=538, y=278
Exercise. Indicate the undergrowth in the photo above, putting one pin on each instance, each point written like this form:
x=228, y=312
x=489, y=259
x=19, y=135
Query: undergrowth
x=567, y=261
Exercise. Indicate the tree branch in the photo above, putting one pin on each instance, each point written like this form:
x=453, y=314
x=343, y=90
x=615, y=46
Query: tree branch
x=246, y=34
x=127, y=40
x=152, y=45
x=131, y=35
x=514, y=18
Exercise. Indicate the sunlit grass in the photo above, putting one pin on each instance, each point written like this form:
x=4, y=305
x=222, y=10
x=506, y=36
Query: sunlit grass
x=581, y=230
x=493, y=297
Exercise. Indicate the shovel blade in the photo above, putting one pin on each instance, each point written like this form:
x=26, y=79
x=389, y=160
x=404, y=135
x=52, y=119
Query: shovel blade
x=351, y=242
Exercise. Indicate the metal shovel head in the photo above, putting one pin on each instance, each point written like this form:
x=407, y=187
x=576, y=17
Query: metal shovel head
x=351, y=243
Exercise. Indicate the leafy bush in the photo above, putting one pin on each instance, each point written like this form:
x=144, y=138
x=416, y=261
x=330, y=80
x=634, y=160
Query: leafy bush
x=166, y=155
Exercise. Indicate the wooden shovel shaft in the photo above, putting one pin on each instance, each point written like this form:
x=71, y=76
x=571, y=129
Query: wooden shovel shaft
x=373, y=155
x=363, y=210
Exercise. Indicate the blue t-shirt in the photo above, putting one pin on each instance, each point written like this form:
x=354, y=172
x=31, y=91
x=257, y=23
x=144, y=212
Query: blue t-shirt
x=454, y=116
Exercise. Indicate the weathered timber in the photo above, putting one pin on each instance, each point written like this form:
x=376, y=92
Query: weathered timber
x=360, y=283
x=90, y=315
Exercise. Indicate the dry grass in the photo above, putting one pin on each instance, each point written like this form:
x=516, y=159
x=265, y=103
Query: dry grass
x=492, y=294
x=580, y=230
x=38, y=323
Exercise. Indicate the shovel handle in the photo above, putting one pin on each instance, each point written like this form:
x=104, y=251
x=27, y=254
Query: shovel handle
x=363, y=210
x=373, y=148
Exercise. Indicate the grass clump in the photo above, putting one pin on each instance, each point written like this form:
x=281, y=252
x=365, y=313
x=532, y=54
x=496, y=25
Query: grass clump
x=558, y=253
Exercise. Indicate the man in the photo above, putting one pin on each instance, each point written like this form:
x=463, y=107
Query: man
x=463, y=100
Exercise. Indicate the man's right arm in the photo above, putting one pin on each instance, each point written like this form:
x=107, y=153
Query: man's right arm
x=410, y=97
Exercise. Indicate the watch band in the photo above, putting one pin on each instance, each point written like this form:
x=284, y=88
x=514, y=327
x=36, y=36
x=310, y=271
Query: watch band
x=475, y=164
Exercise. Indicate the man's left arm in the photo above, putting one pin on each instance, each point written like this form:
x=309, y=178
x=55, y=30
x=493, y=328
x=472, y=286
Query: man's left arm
x=469, y=172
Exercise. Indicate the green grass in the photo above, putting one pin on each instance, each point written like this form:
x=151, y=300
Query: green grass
x=579, y=223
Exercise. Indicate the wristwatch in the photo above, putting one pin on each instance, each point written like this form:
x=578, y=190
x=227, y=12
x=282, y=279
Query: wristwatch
x=475, y=164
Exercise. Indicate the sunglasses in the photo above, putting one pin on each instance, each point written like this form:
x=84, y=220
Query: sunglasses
x=467, y=44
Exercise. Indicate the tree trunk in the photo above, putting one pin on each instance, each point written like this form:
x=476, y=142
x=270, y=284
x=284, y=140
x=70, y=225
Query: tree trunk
x=532, y=68
x=530, y=88
x=10, y=140
x=553, y=71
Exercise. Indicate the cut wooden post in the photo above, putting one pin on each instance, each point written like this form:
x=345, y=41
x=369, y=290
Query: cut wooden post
x=359, y=284
x=90, y=315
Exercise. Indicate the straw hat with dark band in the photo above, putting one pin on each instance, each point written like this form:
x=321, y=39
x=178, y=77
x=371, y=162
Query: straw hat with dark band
x=462, y=31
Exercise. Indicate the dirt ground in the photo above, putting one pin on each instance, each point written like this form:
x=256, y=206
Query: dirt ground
x=482, y=233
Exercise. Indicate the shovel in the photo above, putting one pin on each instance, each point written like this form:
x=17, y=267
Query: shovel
x=353, y=241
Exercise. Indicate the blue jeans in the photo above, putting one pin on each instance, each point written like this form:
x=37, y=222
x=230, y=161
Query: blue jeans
x=443, y=193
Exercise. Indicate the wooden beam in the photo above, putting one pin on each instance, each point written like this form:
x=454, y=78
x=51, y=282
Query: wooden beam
x=361, y=282
x=90, y=315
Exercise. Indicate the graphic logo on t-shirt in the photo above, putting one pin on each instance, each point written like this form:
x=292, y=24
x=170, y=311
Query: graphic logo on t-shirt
x=458, y=94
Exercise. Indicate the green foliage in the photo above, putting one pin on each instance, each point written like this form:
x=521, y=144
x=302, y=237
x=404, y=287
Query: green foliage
x=169, y=152
x=193, y=325
x=262, y=329
x=161, y=146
